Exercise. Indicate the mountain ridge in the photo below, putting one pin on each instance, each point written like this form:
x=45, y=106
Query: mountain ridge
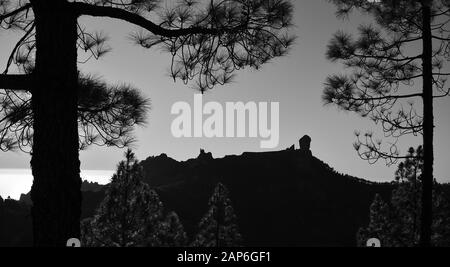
x=281, y=198
x=290, y=195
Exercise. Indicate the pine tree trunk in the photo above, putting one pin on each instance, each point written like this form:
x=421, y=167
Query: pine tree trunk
x=428, y=128
x=55, y=164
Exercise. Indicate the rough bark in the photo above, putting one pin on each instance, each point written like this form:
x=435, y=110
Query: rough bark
x=428, y=124
x=55, y=163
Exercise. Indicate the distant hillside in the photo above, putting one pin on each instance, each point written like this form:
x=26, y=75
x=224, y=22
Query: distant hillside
x=86, y=186
x=15, y=218
x=15, y=224
x=282, y=198
x=285, y=198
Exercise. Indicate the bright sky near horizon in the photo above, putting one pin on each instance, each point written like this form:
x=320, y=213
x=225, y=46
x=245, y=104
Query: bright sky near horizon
x=296, y=81
x=14, y=182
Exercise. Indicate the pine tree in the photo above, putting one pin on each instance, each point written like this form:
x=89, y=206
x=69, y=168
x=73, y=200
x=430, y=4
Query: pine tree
x=208, y=41
x=170, y=232
x=87, y=235
x=218, y=228
x=398, y=224
x=129, y=215
x=407, y=45
x=379, y=226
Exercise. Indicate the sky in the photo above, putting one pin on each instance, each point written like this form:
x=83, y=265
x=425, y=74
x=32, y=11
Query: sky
x=295, y=81
x=14, y=182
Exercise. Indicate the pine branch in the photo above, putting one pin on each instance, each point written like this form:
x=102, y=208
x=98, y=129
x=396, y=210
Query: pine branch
x=440, y=38
x=17, y=46
x=15, y=12
x=117, y=13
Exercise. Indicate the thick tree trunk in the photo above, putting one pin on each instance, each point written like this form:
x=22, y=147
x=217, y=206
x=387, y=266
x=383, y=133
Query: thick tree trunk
x=55, y=164
x=428, y=126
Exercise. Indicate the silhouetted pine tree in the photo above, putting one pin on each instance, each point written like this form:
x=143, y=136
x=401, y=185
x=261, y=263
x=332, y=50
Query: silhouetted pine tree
x=218, y=228
x=397, y=70
x=398, y=225
x=379, y=226
x=170, y=232
x=208, y=41
x=87, y=236
x=130, y=213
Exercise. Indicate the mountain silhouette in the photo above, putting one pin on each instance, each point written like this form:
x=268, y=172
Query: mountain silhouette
x=283, y=198
x=15, y=217
x=86, y=186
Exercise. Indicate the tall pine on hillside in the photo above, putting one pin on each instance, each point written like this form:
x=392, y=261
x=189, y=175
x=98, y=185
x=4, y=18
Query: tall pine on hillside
x=129, y=215
x=218, y=228
x=170, y=232
x=398, y=224
x=379, y=226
